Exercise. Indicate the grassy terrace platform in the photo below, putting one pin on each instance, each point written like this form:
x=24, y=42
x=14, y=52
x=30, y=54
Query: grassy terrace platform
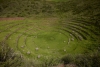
x=49, y=33
x=44, y=38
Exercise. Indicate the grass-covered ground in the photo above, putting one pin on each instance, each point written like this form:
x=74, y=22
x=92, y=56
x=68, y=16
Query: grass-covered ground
x=41, y=39
x=37, y=36
x=47, y=33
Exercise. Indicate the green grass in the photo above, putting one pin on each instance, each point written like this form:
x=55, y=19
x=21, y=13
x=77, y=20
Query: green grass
x=29, y=34
x=50, y=34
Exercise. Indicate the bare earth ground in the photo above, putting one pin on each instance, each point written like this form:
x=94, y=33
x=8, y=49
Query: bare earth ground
x=15, y=18
x=68, y=65
x=60, y=65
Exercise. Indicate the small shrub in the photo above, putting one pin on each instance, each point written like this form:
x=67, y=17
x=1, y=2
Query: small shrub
x=83, y=60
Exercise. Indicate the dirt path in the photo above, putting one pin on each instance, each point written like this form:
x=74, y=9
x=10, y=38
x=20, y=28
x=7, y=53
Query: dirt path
x=60, y=65
x=12, y=18
x=68, y=65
